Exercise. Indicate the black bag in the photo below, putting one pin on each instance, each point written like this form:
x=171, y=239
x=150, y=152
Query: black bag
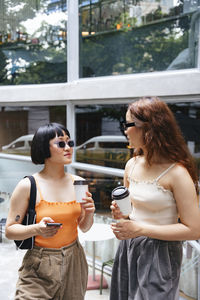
x=29, y=218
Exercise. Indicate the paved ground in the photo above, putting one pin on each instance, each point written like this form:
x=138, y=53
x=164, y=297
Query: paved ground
x=9, y=264
x=10, y=260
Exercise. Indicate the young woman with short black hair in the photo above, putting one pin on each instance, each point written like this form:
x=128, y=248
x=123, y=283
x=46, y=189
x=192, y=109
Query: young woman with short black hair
x=56, y=268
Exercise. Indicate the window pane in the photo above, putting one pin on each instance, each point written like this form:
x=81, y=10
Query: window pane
x=118, y=145
x=103, y=144
x=32, y=42
x=124, y=37
x=19, y=123
x=109, y=145
x=101, y=185
x=188, y=118
x=107, y=150
x=16, y=132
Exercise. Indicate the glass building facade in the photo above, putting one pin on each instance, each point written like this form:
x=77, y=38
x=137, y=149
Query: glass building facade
x=125, y=37
x=33, y=42
x=100, y=142
x=116, y=37
x=80, y=63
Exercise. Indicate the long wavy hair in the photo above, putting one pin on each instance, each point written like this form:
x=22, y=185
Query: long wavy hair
x=162, y=135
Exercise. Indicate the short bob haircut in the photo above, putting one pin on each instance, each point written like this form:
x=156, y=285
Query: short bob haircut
x=40, y=144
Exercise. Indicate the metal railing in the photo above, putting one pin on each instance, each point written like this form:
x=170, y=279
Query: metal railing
x=193, y=261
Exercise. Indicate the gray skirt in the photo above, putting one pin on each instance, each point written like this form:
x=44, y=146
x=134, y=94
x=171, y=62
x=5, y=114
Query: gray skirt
x=146, y=269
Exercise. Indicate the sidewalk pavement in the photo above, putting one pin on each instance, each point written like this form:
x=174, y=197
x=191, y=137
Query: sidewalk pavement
x=10, y=262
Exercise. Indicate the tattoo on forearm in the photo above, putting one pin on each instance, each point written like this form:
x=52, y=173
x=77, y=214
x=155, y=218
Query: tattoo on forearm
x=17, y=218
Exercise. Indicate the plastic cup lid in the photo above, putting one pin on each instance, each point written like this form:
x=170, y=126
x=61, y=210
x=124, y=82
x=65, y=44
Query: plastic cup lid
x=120, y=192
x=81, y=182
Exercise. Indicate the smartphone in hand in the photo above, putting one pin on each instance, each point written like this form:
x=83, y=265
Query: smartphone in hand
x=54, y=224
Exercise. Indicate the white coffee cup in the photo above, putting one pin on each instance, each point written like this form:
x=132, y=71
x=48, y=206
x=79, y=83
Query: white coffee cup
x=121, y=195
x=81, y=187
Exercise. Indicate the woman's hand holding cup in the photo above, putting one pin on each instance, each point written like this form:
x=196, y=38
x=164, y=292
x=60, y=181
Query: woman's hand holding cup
x=83, y=196
x=115, y=211
x=121, y=204
x=81, y=188
x=88, y=204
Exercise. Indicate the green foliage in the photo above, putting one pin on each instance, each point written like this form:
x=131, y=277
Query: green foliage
x=2, y=67
x=144, y=49
x=43, y=72
x=32, y=63
x=133, y=49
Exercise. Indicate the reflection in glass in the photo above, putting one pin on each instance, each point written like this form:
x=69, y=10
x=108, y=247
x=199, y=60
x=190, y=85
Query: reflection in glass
x=21, y=145
x=101, y=185
x=100, y=138
x=105, y=150
x=32, y=42
x=18, y=124
x=188, y=118
x=127, y=36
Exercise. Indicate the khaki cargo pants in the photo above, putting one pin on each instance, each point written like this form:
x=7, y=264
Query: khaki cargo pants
x=56, y=274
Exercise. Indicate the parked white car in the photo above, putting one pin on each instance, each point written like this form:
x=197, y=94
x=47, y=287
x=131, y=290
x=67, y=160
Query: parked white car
x=105, y=150
x=21, y=145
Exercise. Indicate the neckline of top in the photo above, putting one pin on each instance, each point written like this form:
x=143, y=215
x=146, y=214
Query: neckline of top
x=159, y=186
x=152, y=180
x=41, y=195
x=56, y=202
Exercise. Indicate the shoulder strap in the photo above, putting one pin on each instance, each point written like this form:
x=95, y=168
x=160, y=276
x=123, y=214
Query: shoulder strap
x=32, y=193
x=72, y=177
x=39, y=190
x=131, y=171
x=163, y=173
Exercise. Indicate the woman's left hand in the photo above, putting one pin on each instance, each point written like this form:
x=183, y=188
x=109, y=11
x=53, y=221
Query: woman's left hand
x=88, y=205
x=125, y=229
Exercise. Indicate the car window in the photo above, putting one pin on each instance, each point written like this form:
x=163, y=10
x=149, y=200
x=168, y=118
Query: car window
x=113, y=145
x=88, y=146
x=17, y=144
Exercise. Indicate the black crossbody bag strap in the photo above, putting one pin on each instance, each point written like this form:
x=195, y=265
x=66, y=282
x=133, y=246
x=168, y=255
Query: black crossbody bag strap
x=32, y=201
x=30, y=216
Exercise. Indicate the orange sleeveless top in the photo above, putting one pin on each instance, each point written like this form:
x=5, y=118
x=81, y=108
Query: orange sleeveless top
x=66, y=213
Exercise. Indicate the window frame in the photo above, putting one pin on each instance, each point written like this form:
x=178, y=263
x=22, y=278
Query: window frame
x=176, y=85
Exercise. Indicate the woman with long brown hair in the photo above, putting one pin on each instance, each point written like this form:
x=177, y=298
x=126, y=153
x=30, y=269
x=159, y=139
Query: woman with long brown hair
x=163, y=185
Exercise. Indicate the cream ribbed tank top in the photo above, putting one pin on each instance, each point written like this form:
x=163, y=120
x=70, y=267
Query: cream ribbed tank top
x=152, y=203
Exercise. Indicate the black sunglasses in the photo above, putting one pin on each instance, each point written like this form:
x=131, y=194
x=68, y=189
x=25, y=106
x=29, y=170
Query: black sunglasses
x=125, y=125
x=62, y=144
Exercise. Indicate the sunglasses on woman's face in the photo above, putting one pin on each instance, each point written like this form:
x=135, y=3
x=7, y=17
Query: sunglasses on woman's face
x=125, y=125
x=62, y=144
